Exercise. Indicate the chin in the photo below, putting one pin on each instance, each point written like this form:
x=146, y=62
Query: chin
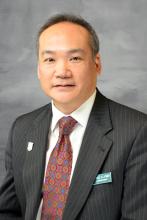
x=63, y=97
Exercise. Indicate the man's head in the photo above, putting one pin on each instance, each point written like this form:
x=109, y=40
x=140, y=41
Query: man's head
x=93, y=38
x=69, y=61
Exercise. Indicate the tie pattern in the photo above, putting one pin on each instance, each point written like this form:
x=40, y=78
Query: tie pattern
x=55, y=188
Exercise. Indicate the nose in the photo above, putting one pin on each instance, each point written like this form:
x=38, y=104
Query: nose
x=62, y=69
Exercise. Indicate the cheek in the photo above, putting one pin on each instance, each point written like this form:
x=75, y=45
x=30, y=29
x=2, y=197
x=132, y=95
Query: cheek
x=44, y=73
x=83, y=76
x=88, y=81
x=79, y=72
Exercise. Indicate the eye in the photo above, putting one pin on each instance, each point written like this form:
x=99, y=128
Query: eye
x=76, y=59
x=49, y=60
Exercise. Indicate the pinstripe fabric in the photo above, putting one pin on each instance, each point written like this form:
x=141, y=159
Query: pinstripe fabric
x=115, y=141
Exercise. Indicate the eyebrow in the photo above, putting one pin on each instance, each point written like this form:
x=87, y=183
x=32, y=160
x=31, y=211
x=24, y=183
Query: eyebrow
x=71, y=51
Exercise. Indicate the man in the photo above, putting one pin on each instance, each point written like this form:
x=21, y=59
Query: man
x=106, y=168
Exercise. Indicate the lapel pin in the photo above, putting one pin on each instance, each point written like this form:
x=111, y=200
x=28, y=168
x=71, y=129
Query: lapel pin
x=30, y=146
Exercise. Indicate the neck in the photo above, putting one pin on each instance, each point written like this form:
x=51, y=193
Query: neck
x=66, y=109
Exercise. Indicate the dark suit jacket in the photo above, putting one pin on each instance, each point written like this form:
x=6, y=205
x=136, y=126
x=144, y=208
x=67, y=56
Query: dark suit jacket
x=115, y=141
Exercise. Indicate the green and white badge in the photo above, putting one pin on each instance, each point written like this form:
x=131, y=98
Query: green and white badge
x=103, y=178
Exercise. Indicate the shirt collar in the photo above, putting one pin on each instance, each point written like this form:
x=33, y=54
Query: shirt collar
x=81, y=114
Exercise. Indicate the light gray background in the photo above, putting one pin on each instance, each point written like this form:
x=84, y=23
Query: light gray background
x=122, y=29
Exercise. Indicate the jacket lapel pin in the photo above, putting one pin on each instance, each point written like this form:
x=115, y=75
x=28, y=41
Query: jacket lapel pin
x=103, y=178
x=30, y=146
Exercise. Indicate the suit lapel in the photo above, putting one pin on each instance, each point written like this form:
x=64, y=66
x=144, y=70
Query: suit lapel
x=33, y=172
x=94, y=149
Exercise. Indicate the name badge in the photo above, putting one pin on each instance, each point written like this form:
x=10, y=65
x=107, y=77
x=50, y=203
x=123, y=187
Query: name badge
x=103, y=178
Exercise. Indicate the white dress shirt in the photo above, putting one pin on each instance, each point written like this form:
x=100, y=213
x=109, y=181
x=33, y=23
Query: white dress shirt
x=81, y=115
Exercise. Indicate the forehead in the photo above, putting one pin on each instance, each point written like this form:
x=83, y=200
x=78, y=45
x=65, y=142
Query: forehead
x=65, y=33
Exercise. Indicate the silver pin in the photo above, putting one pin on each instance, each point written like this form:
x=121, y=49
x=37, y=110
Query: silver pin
x=30, y=146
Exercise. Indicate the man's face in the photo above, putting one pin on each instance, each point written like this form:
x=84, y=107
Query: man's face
x=67, y=70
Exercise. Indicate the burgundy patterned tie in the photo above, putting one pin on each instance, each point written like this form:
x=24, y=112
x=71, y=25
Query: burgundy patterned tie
x=58, y=172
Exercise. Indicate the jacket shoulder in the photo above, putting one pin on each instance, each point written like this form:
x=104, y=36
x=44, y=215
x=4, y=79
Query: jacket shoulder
x=126, y=114
x=25, y=121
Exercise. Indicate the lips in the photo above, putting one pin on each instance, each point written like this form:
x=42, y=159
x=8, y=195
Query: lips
x=64, y=85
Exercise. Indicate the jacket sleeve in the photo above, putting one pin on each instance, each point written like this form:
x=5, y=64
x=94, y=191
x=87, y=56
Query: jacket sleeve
x=134, y=203
x=9, y=205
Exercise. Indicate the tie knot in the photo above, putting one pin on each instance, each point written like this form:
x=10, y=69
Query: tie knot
x=66, y=125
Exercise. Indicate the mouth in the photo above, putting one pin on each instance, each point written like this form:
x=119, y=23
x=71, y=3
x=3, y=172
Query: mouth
x=64, y=85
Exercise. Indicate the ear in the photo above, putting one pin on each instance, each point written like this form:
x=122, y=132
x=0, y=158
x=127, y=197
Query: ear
x=98, y=63
x=38, y=71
